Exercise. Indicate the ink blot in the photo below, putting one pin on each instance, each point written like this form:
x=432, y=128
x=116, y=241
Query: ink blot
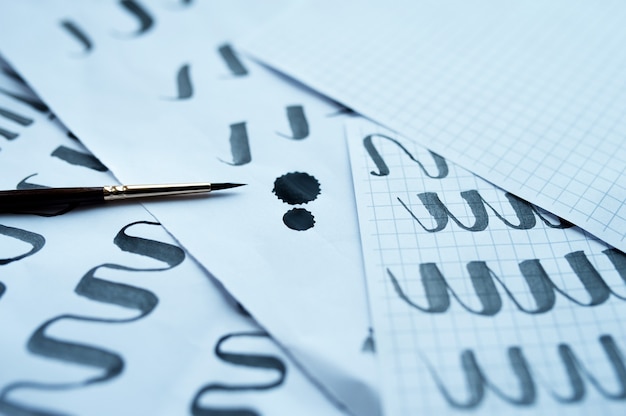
x=297, y=188
x=299, y=219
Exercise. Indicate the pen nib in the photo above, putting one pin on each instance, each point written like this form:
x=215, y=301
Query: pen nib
x=220, y=186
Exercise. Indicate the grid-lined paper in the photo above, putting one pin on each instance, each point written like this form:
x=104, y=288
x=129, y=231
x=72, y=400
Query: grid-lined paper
x=529, y=95
x=426, y=346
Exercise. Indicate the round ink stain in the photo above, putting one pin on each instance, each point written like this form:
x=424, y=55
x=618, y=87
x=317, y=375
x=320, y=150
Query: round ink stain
x=296, y=188
x=299, y=219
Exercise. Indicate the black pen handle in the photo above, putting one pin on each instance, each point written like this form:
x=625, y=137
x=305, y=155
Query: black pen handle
x=32, y=199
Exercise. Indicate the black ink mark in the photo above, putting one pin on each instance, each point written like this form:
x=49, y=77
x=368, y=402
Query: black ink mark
x=17, y=118
x=77, y=158
x=9, y=72
x=9, y=135
x=297, y=122
x=297, y=188
x=369, y=345
x=299, y=219
x=79, y=35
x=92, y=287
x=24, y=184
x=33, y=103
x=183, y=83
x=232, y=60
x=477, y=382
x=239, y=146
x=342, y=111
x=258, y=361
x=36, y=241
x=540, y=286
x=140, y=13
x=383, y=169
x=524, y=211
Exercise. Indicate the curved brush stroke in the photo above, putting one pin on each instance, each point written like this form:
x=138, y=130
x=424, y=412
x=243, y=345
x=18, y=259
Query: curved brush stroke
x=79, y=35
x=268, y=362
x=140, y=13
x=24, y=184
x=33, y=103
x=3, y=289
x=9, y=135
x=90, y=286
x=183, y=82
x=232, y=60
x=297, y=122
x=239, y=145
x=77, y=158
x=36, y=242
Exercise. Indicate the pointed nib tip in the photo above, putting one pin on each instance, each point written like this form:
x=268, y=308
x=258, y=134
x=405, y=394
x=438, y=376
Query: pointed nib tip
x=220, y=186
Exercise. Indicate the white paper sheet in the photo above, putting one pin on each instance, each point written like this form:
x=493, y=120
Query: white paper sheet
x=481, y=302
x=174, y=354
x=163, y=99
x=529, y=95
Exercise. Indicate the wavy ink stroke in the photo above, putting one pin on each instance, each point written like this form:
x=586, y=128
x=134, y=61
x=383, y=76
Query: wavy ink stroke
x=383, y=169
x=542, y=289
x=524, y=211
x=109, y=363
x=578, y=375
x=251, y=360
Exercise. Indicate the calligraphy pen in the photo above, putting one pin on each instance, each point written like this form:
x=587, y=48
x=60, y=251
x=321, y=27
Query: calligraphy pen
x=45, y=198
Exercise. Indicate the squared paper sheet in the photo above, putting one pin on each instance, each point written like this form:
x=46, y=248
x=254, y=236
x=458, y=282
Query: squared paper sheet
x=160, y=97
x=171, y=351
x=493, y=311
x=529, y=95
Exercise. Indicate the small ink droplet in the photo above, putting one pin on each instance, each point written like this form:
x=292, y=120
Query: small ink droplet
x=299, y=219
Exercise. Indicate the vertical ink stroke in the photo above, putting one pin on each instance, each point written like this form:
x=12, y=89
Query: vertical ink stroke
x=239, y=146
x=79, y=35
x=297, y=122
x=232, y=60
x=183, y=83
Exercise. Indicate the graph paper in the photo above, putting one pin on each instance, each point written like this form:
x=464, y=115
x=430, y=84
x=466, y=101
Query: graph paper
x=481, y=301
x=529, y=95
